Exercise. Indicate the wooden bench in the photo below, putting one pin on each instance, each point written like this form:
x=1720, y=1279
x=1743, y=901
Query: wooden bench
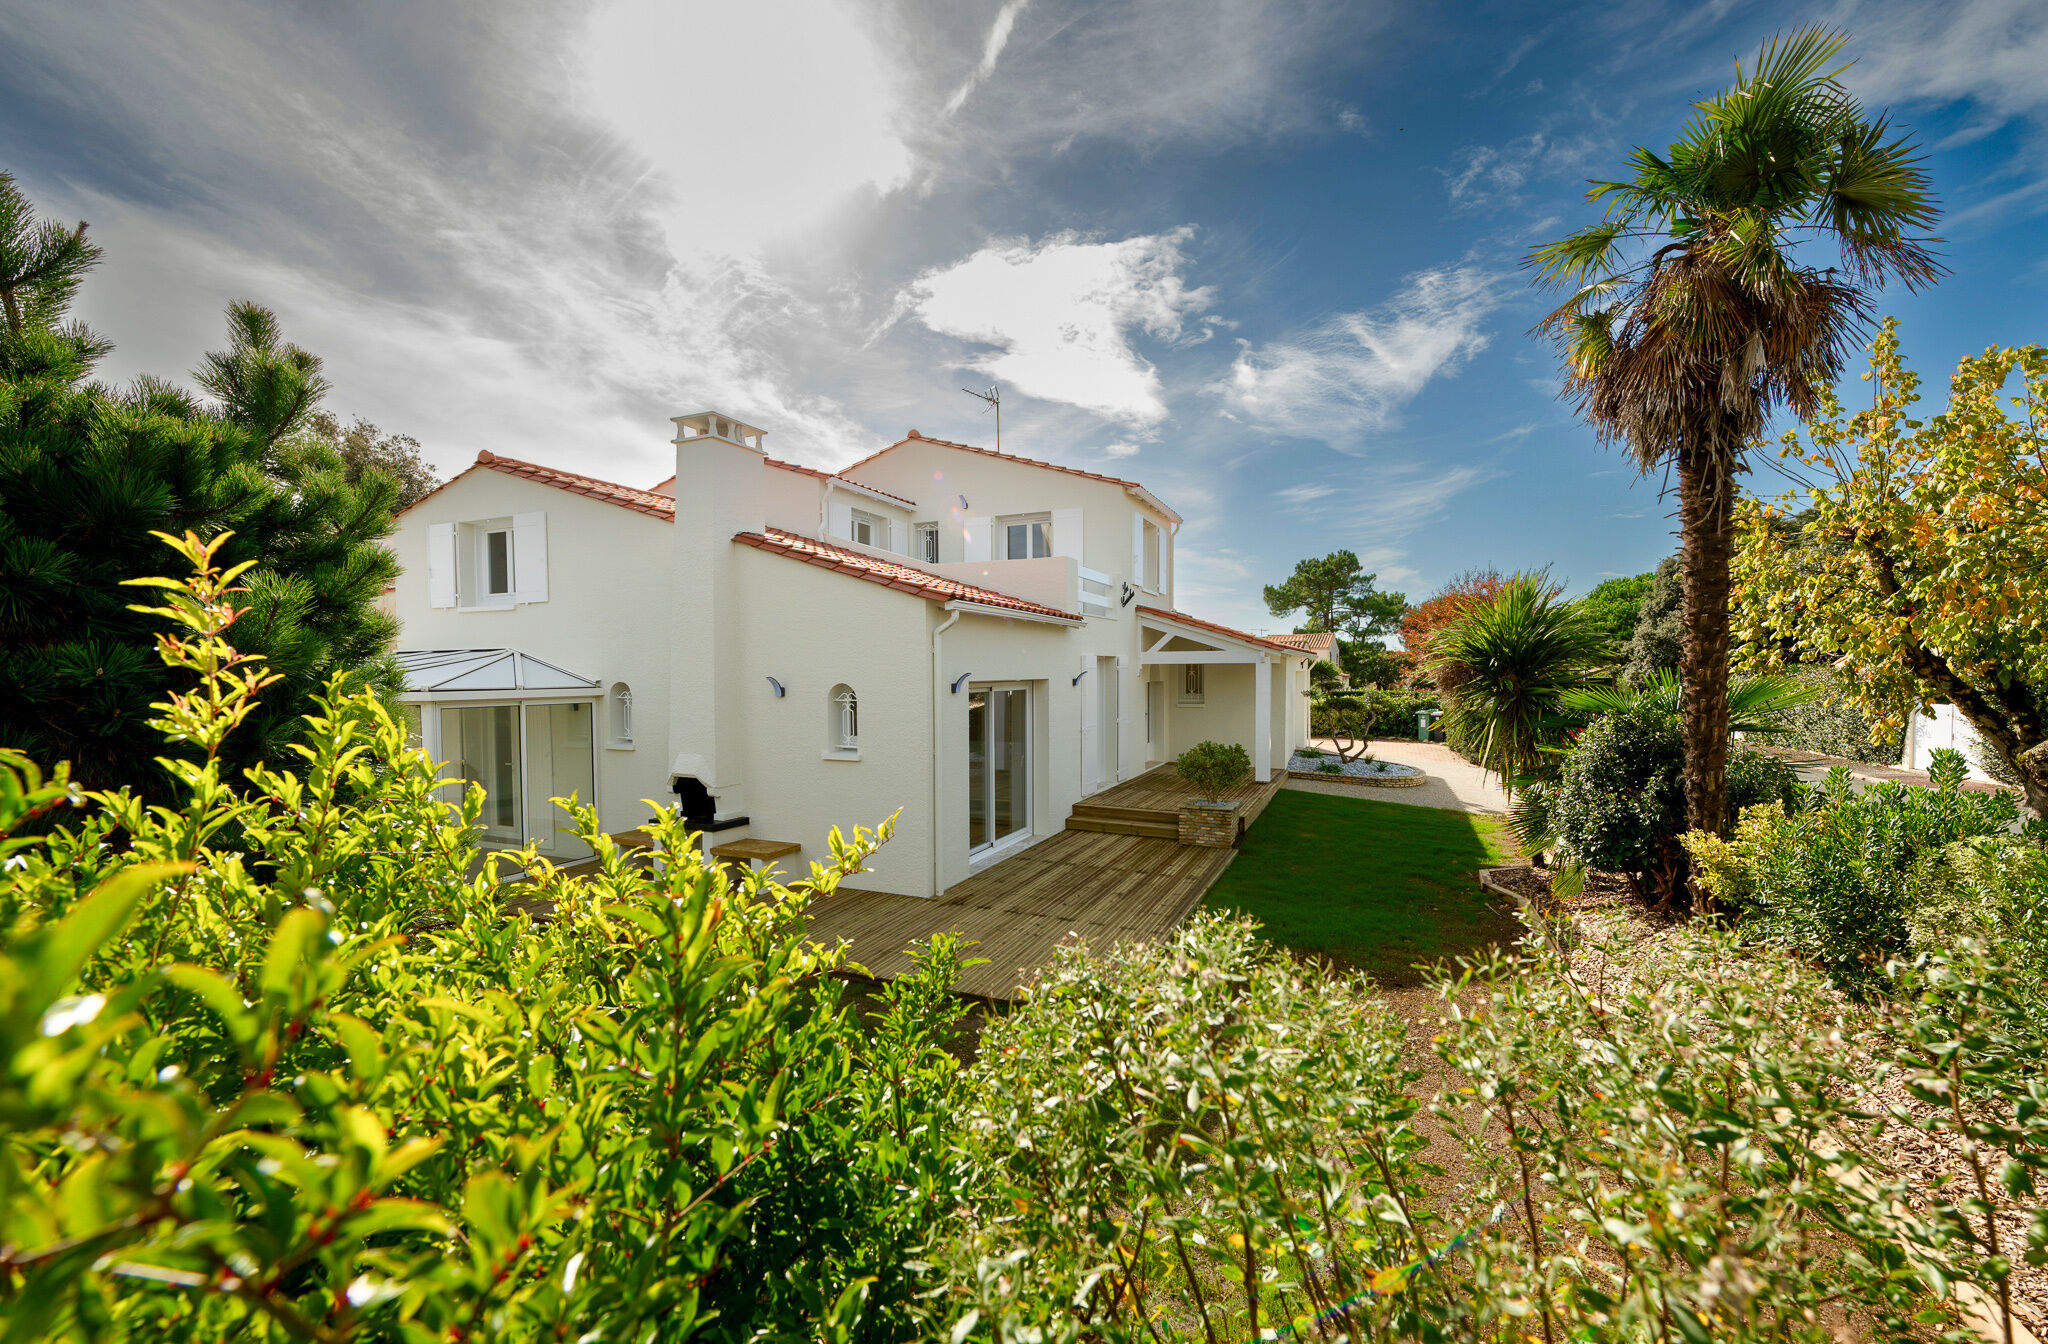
x=754, y=853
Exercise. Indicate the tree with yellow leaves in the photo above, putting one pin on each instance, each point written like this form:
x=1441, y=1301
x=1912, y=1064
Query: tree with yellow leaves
x=1924, y=568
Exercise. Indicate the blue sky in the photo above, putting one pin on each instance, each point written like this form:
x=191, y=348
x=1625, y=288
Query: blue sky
x=1261, y=255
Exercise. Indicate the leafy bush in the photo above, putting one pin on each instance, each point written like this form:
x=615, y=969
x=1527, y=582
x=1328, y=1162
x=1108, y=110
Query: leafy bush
x=1213, y=769
x=1619, y=800
x=1831, y=724
x=1834, y=881
x=1993, y=890
x=273, y=1064
x=1195, y=1140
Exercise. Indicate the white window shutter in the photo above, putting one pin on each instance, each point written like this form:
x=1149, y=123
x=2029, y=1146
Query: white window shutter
x=530, y=557
x=1066, y=533
x=1166, y=564
x=839, y=519
x=441, y=564
x=896, y=530
x=980, y=533
x=1137, y=550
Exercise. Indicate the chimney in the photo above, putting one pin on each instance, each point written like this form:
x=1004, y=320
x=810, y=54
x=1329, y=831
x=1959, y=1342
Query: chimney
x=721, y=490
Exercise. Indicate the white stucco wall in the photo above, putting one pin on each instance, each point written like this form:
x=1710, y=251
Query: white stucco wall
x=606, y=617
x=1944, y=726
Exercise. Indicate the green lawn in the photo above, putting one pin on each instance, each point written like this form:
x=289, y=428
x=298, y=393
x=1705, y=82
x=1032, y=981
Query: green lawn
x=1372, y=885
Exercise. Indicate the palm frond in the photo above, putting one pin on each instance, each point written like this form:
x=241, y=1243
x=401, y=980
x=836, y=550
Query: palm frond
x=1573, y=258
x=1756, y=704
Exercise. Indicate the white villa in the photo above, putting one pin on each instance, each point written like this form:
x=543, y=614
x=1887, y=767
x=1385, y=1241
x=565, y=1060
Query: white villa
x=972, y=640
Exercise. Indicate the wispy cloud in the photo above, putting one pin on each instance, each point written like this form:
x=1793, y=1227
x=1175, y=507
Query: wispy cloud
x=991, y=52
x=1352, y=373
x=1061, y=315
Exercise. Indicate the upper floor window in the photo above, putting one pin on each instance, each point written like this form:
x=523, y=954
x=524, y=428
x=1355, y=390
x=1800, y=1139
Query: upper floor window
x=495, y=562
x=1026, y=537
x=491, y=562
x=928, y=543
x=869, y=529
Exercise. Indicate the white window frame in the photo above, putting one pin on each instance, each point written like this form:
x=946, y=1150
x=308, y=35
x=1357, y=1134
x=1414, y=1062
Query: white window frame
x=1194, y=689
x=874, y=524
x=842, y=741
x=928, y=543
x=488, y=594
x=1042, y=536
x=619, y=702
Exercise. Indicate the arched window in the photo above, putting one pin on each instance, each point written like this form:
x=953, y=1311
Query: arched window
x=843, y=728
x=621, y=700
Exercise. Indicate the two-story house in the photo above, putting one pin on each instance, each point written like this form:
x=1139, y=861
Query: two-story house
x=971, y=640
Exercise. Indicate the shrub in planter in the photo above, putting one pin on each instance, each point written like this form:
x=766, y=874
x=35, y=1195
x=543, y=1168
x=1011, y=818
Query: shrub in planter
x=1619, y=800
x=1213, y=769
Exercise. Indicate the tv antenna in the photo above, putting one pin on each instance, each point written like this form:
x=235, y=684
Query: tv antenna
x=994, y=398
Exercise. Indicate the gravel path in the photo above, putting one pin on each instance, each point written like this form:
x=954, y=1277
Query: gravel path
x=1455, y=784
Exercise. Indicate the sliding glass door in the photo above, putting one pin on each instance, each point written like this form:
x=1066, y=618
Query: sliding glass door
x=523, y=757
x=998, y=764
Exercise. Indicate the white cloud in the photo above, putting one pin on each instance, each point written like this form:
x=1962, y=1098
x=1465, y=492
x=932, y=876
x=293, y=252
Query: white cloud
x=991, y=52
x=1352, y=372
x=1062, y=312
x=1304, y=494
x=759, y=117
x=1122, y=449
x=1992, y=51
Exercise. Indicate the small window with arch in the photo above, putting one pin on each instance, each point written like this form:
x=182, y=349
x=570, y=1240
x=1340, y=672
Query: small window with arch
x=620, y=702
x=843, y=727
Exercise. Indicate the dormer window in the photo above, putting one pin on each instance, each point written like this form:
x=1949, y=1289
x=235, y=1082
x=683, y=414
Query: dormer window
x=868, y=529
x=928, y=543
x=1025, y=537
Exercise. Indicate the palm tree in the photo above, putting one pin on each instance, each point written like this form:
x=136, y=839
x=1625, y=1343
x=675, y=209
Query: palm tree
x=1689, y=323
x=1507, y=662
x=1756, y=704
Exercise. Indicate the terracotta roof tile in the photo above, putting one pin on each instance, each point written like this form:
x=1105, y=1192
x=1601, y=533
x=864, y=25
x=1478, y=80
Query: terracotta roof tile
x=1318, y=642
x=611, y=492
x=831, y=476
x=903, y=578
x=1200, y=624
x=1012, y=457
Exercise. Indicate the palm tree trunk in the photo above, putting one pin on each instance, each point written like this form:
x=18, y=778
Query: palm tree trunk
x=1707, y=539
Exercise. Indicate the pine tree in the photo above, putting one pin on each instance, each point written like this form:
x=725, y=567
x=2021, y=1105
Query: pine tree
x=89, y=472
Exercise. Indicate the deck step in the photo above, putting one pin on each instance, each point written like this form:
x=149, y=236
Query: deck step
x=1109, y=812
x=1157, y=830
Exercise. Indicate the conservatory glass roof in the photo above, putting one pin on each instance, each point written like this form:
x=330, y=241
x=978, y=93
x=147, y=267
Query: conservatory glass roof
x=440, y=671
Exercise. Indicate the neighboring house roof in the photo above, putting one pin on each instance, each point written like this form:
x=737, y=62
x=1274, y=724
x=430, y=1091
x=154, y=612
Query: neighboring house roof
x=1198, y=623
x=1151, y=500
x=611, y=492
x=830, y=476
x=1317, y=643
x=903, y=578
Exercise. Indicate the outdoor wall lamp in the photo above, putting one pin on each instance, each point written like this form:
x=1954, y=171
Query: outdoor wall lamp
x=1078, y=675
x=960, y=681
x=776, y=687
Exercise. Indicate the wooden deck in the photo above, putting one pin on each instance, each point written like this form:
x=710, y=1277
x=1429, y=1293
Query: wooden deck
x=1106, y=889
x=1102, y=888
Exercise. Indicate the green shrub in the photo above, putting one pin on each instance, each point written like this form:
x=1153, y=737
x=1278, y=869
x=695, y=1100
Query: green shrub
x=1835, y=881
x=1368, y=713
x=1213, y=769
x=1831, y=724
x=1331, y=768
x=1619, y=801
x=274, y=1064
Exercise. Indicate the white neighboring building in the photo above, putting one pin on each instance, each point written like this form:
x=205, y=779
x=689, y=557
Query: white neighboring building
x=1942, y=726
x=973, y=640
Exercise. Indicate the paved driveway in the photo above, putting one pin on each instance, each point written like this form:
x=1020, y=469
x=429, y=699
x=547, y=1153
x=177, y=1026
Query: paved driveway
x=1454, y=782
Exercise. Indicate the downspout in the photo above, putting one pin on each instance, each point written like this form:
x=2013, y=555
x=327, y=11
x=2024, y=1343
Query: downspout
x=939, y=693
x=825, y=511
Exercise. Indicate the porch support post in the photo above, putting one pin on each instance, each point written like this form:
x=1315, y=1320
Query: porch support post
x=1262, y=729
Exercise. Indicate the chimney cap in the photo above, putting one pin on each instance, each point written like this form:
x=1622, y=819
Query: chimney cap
x=718, y=425
x=485, y=457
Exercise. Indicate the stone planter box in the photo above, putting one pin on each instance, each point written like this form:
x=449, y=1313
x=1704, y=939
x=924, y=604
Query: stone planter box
x=1212, y=825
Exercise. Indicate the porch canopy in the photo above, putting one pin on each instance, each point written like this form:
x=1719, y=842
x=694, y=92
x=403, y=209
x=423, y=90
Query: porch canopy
x=1173, y=638
x=484, y=674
